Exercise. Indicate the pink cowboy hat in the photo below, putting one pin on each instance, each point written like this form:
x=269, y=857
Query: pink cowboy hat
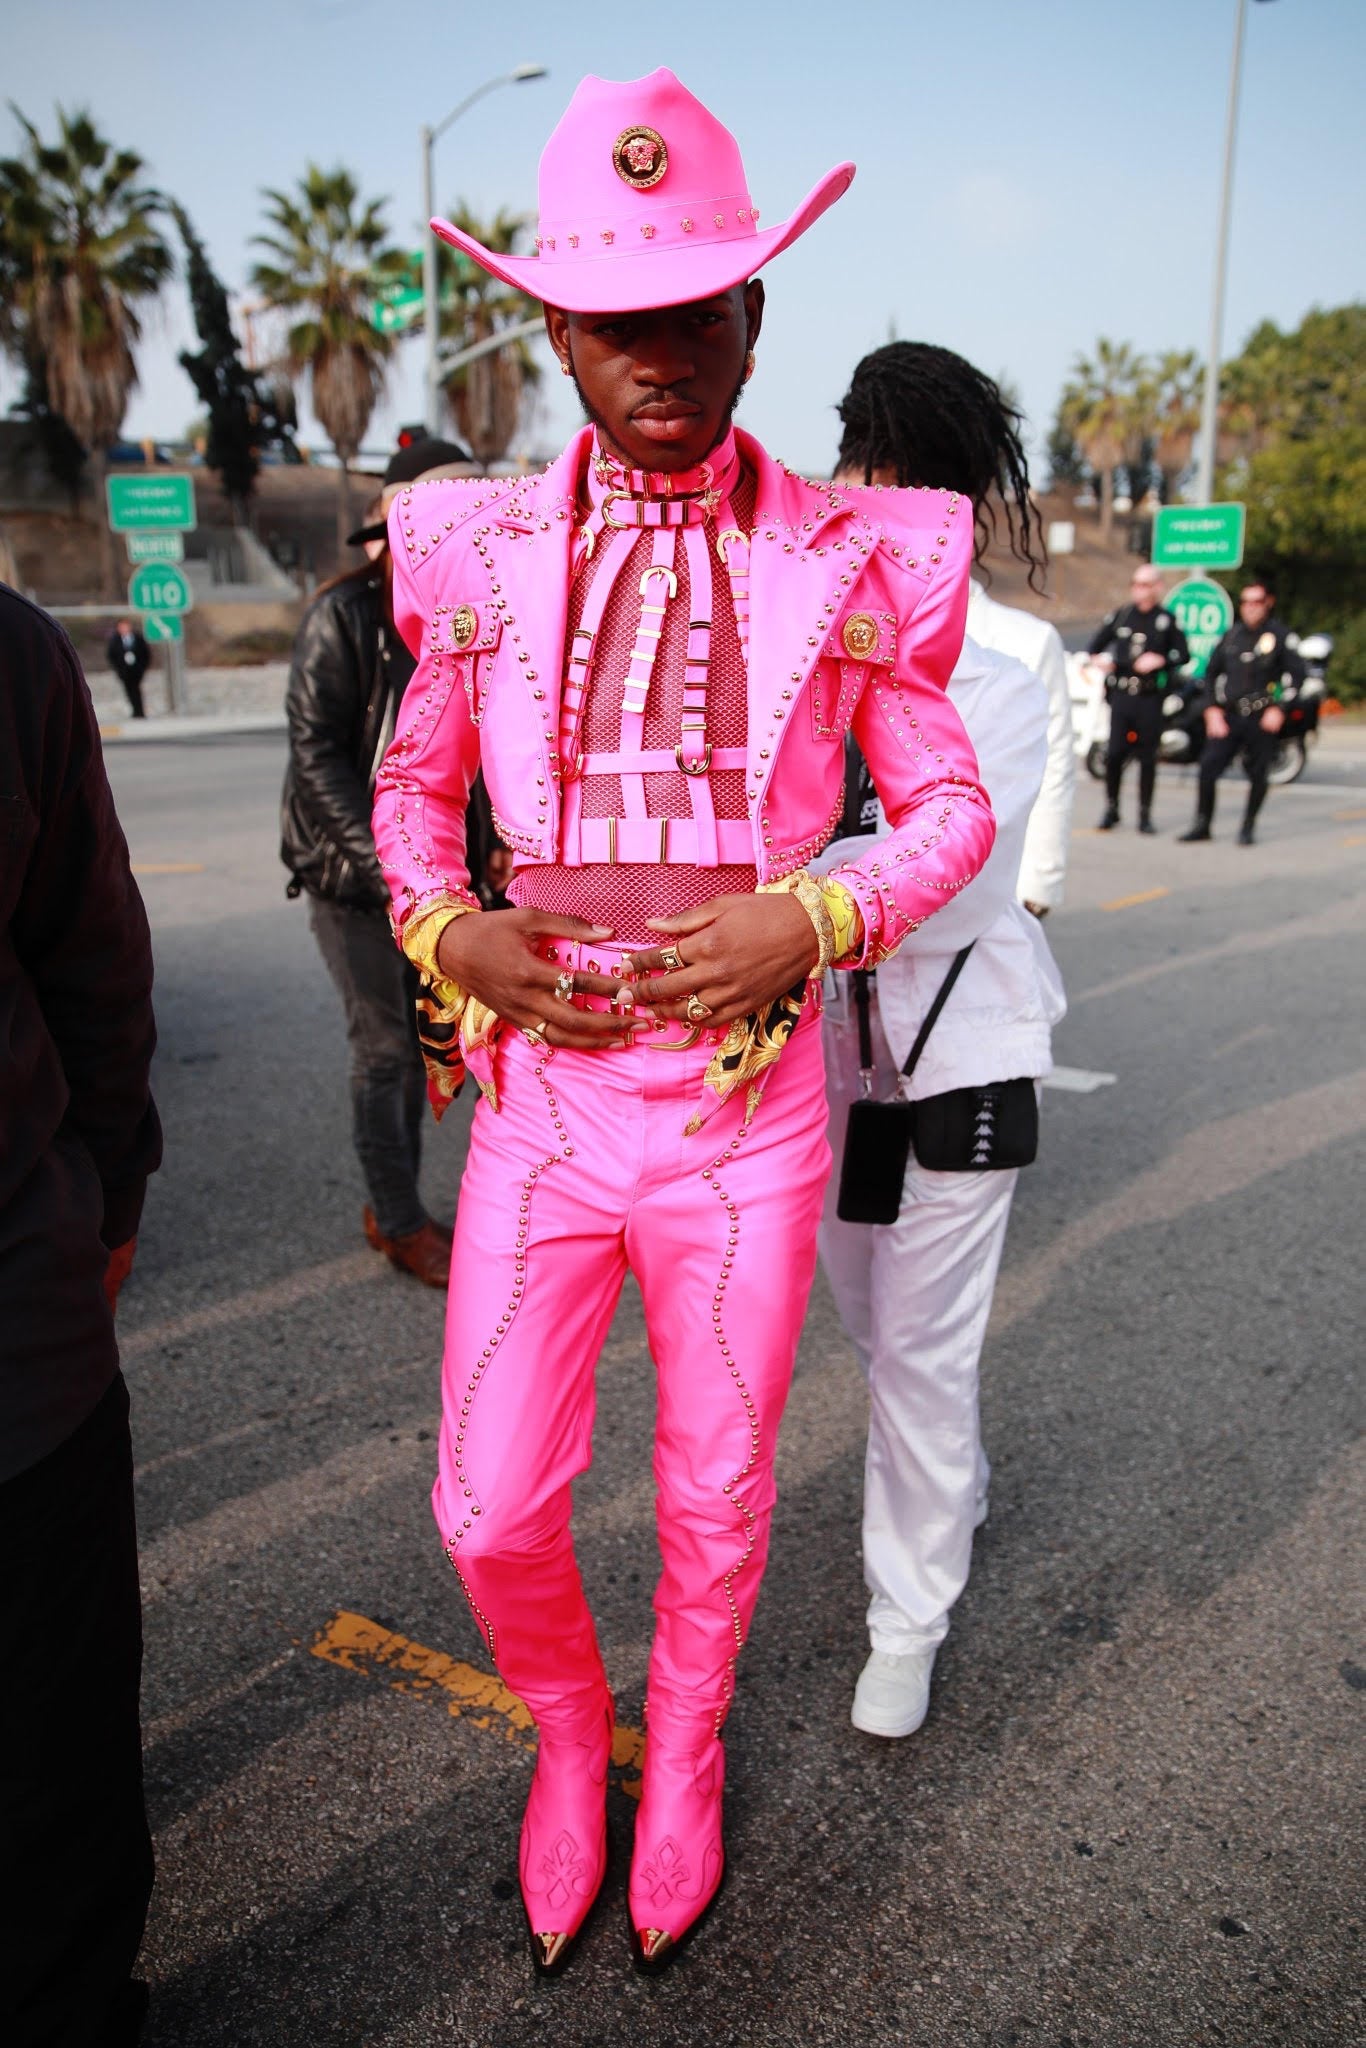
x=644, y=203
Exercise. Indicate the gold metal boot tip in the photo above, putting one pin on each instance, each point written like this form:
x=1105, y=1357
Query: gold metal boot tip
x=654, y=1943
x=550, y=1947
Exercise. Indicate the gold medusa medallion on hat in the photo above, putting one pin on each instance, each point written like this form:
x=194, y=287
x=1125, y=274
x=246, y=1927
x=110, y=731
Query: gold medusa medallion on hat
x=640, y=157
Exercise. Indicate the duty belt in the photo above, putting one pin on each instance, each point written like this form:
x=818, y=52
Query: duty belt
x=1249, y=707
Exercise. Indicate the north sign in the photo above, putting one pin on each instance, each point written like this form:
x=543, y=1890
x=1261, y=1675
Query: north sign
x=1199, y=536
x=159, y=499
x=160, y=587
x=155, y=547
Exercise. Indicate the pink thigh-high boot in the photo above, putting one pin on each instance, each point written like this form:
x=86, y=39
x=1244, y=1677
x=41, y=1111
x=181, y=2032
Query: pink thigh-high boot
x=585, y=1167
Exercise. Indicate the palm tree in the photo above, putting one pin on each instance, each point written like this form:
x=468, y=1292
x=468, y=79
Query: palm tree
x=487, y=396
x=326, y=257
x=80, y=249
x=1099, y=409
x=1178, y=382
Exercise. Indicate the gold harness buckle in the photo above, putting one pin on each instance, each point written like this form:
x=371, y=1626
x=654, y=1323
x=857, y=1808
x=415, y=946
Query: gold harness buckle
x=693, y=767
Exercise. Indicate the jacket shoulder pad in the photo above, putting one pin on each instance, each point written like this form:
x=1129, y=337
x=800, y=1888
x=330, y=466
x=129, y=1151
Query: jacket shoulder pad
x=424, y=515
x=923, y=529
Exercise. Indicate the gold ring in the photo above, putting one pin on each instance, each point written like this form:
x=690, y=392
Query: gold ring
x=696, y=1009
x=534, y=1034
x=670, y=957
x=564, y=987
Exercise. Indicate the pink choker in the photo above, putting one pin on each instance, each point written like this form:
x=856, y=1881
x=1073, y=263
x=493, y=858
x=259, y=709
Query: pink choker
x=634, y=498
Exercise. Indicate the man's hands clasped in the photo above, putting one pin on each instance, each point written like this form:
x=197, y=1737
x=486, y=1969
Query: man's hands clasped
x=726, y=958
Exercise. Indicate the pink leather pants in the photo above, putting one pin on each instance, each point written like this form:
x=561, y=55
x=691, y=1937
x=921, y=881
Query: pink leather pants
x=585, y=1171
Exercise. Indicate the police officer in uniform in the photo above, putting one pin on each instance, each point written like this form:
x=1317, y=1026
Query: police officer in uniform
x=1140, y=647
x=1253, y=671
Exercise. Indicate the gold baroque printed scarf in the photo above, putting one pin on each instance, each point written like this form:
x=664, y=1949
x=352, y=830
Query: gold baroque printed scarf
x=460, y=1039
x=747, y=1052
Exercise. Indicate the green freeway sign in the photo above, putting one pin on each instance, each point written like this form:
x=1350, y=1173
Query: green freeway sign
x=160, y=587
x=1199, y=536
x=396, y=307
x=1204, y=612
x=162, y=626
x=154, y=498
x=155, y=547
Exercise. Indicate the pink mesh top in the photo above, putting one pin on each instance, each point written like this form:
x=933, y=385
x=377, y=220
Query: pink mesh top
x=623, y=896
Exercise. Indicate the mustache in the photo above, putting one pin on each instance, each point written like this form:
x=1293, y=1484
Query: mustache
x=595, y=418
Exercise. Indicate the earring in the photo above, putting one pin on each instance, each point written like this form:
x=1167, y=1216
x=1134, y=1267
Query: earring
x=749, y=364
x=566, y=370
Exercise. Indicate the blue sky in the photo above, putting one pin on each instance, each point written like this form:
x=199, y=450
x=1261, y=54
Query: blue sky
x=1032, y=173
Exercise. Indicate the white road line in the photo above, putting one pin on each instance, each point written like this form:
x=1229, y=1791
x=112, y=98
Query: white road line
x=1078, y=1080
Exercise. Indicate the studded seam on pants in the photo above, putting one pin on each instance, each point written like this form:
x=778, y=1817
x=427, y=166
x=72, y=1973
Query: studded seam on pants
x=583, y=1172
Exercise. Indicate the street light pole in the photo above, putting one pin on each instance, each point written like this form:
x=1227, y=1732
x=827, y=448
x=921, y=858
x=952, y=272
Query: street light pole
x=1209, y=411
x=431, y=309
x=431, y=398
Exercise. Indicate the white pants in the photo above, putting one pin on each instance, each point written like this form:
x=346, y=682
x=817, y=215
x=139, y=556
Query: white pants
x=914, y=1297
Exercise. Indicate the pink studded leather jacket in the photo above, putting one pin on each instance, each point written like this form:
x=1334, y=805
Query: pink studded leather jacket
x=857, y=603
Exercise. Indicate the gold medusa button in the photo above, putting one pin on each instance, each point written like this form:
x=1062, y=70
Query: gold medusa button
x=464, y=626
x=860, y=635
x=640, y=157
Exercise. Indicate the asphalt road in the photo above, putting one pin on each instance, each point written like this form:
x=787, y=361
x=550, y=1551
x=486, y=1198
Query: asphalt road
x=1133, y=1815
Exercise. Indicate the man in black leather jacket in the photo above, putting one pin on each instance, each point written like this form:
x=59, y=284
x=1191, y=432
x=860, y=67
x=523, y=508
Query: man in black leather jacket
x=347, y=677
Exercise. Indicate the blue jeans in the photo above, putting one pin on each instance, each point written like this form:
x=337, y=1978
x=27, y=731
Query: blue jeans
x=378, y=989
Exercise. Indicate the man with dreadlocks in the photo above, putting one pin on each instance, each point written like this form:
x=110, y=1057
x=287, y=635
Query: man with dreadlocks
x=655, y=648
x=915, y=1295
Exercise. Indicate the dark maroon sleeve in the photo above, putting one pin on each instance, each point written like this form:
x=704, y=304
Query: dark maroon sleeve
x=77, y=923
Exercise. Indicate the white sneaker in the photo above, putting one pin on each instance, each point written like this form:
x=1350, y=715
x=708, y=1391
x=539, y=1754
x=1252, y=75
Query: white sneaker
x=892, y=1696
x=981, y=1508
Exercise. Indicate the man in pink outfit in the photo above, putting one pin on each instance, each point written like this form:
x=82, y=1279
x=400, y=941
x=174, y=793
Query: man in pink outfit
x=654, y=650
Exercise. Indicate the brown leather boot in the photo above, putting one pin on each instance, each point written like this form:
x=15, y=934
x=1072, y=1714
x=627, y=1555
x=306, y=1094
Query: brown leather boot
x=425, y=1253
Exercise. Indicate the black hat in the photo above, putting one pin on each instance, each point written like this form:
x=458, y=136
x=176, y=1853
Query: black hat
x=405, y=466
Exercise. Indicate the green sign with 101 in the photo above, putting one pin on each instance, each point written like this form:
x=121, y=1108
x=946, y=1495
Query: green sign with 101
x=1204, y=612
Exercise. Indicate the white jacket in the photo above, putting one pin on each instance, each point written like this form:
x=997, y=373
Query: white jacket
x=997, y=1023
x=1004, y=630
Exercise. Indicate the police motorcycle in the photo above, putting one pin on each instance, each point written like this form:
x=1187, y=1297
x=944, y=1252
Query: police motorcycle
x=1301, y=728
x=1182, y=738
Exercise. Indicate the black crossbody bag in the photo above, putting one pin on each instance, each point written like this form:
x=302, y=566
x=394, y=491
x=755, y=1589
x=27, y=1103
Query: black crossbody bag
x=964, y=1130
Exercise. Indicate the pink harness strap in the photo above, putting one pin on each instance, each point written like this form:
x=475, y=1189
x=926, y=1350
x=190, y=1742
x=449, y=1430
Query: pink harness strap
x=630, y=760
x=672, y=842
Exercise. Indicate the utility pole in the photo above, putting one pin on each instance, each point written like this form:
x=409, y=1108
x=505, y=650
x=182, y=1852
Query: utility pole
x=1209, y=411
x=431, y=306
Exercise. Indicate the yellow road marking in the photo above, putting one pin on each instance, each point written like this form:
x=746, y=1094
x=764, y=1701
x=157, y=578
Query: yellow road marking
x=1128, y=902
x=1355, y=839
x=168, y=867
x=362, y=1646
x=1347, y=817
